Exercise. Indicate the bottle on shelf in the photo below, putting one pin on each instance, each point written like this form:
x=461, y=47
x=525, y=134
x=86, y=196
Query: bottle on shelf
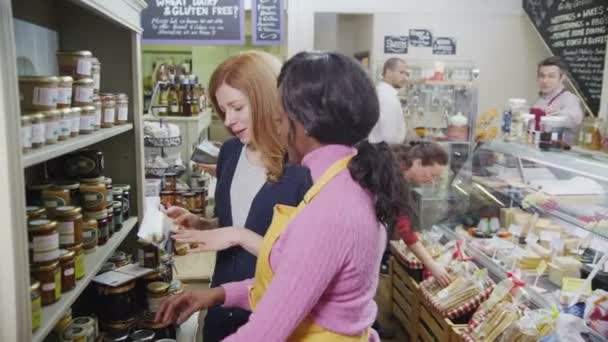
x=163, y=99
x=173, y=100
x=186, y=104
x=196, y=99
x=596, y=135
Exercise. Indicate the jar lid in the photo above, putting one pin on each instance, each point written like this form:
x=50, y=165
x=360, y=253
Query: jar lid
x=96, y=215
x=92, y=180
x=84, y=321
x=65, y=255
x=33, y=210
x=149, y=323
x=81, y=53
x=66, y=211
x=158, y=287
x=84, y=81
x=26, y=119
x=117, y=204
x=39, y=79
x=116, y=191
x=35, y=286
x=88, y=109
x=188, y=194
x=39, y=187
x=118, y=289
x=144, y=335
x=67, y=185
x=76, y=248
x=76, y=110
x=64, y=79
x=44, y=268
x=107, y=180
x=41, y=225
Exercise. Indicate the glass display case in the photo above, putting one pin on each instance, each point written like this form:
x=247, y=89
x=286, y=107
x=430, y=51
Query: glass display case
x=539, y=215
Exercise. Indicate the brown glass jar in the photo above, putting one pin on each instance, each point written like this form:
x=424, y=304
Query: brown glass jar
x=67, y=261
x=110, y=213
x=161, y=332
x=116, y=303
x=64, y=92
x=122, y=109
x=54, y=198
x=38, y=92
x=108, y=109
x=43, y=242
x=179, y=199
x=170, y=181
x=51, y=126
x=167, y=198
x=49, y=277
x=65, y=124
x=189, y=200
x=79, y=260
x=76, y=114
x=157, y=292
x=38, y=130
x=69, y=225
x=118, y=329
x=35, y=213
x=26, y=133
x=90, y=236
x=73, y=188
x=102, y=225
x=93, y=195
x=83, y=92
x=87, y=120
x=75, y=63
x=147, y=254
x=35, y=298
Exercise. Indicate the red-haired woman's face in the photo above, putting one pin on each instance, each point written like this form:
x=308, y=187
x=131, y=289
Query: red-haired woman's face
x=237, y=111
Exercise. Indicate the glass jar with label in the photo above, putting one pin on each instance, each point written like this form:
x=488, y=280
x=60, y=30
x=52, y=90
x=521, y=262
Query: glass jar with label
x=38, y=130
x=49, y=277
x=51, y=125
x=82, y=92
x=102, y=225
x=109, y=190
x=157, y=293
x=147, y=254
x=122, y=109
x=35, y=298
x=34, y=193
x=108, y=109
x=97, y=105
x=168, y=198
x=75, y=63
x=63, y=324
x=170, y=181
x=118, y=219
x=96, y=74
x=69, y=225
x=110, y=211
x=67, y=262
x=117, y=331
x=64, y=92
x=26, y=133
x=38, y=92
x=117, y=303
x=93, y=196
x=79, y=260
x=54, y=198
x=43, y=242
x=87, y=120
x=126, y=199
x=90, y=235
x=199, y=199
x=35, y=213
x=73, y=188
x=65, y=124
x=75, y=129
x=189, y=200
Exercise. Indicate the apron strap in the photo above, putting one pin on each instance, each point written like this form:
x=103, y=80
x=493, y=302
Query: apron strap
x=556, y=96
x=327, y=176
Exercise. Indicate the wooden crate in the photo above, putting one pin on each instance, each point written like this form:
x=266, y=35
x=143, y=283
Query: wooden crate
x=405, y=299
x=435, y=328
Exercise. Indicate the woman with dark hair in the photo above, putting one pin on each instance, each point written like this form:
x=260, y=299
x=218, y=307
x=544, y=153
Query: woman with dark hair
x=317, y=269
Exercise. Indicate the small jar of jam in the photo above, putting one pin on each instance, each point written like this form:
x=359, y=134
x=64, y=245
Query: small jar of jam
x=34, y=193
x=79, y=260
x=26, y=133
x=35, y=298
x=122, y=109
x=38, y=130
x=189, y=200
x=74, y=188
x=76, y=114
x=167, y=198
x=147, y=254
x=87, y=119
x=160, y=331
x=64, y=92
x=96, y=74
x=116, y=303
x=126, y=199
x=110, y=213
x=102, y=224
x=49, y=277
x=35, y=213
x=51, y=125
x=118, y=330
x=108, y=108
x=170, y=181
x=67, y=261
x=82, y=92
x=90, y=235
x=69, y=225
x=200, y=198
x=93, y=195
x=54, y=198
x=65, y=124
x=157, y=293
x=109, y=189
x=43, y=242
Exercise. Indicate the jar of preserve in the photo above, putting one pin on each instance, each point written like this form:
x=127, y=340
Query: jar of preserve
x=89, y=324
x=96, y=73
x=122, y=109
x=36, y=303
x=116, y=303
x=73, y=188
x=54, y=198
x=143, y=336
x=157, y=293
x=102, y=225
x=43, y=242
x=65, y=124
x=49, y=277
x=147, y=254
x=67, y=262
x=51, y=126
x=75, y=334
x=38, y=130
x=69, y=225
x=87, y=165
x=38, y=92
x=170, y=183
x=167, y=198
x=126, y=199
x=90, y=236
x=97, y=105
x=110, y=211
x=179, y=198
x=87, y=120
x=189, y=200
x=76, y=114
x=75, y=63
x=82, y=93
x=108, y=108
x=34, y=193
x=35, y=213
x=118, y=219
x=109, y=189
x=199, y=198
x=93, y=195
x=26, y=133
x=64, y=92
x=79, y=260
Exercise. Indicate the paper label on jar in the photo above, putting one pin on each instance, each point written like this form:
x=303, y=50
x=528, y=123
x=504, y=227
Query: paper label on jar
x=97, y=120
x=45, y=96
x=48, y=287
x=52, y=130
x=92, y=199
x=66, y=239
x=108, y=114
x=554, y=136
x=26, y=136
x=154, y=303
x=45, y=248
x=65, y=127
x=87, y=234
x=84, y=94
x=53, y=202
x=65, y=228
x=64, y=95
x=76, y=124
x=86, y=122
x=38, y=134
x=68, y=272
x=123, y=113
x=84, y=67
x=97, y=81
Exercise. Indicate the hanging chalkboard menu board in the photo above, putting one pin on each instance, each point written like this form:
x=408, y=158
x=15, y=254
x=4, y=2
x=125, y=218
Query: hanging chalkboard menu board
x=209, y=22
x=268, y=18
x=576, y=31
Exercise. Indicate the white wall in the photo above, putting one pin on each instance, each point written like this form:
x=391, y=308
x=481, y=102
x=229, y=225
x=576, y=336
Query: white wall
x=325, y=32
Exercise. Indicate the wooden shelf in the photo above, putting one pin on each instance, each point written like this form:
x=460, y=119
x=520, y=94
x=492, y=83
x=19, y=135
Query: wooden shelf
x=63, y=147
x=52, y=314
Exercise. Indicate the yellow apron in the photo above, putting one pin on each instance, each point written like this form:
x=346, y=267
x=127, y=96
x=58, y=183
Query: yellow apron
x=307, y=331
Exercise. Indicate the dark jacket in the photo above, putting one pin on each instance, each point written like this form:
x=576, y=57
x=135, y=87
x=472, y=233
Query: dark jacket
x=237, y=264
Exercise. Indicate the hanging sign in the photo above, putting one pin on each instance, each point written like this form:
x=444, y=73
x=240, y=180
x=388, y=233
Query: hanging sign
x=396, y=44
x=268, y=20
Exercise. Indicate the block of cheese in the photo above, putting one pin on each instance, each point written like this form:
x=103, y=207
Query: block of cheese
x=541, y=251
x=571, y=243
x=568, y=263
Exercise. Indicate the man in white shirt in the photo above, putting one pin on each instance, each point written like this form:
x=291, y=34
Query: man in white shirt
x=390, y=127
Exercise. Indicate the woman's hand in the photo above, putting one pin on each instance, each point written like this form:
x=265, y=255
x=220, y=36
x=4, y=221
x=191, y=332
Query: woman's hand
x=440, y=273
x=209, y=240
x=178, y=309
x=185, y=220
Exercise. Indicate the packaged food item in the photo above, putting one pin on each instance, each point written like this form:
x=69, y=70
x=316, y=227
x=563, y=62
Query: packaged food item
x=108, y=108
x=51, y=125
x=36, y=303
x=49, y=277
x=38, y=93
x=96, y=74
x=78, y=260
x=82, y=92
x=38, y=130
x=76, y=114
x=69, y=225
x=116, y=303
x=67, y=262
x=65, y=124
x=122, y=109
x=157, y=293
x=26, y=133
x=75, y=63
x=98, y=109
x=64, y=92
x=87, y=120
x=43, y=242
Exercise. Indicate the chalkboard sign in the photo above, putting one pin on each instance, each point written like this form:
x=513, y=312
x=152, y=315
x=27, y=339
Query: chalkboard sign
x=577, y=31
x=209, y=22
x=421, y=38
x=395, y=44
x=444, y=46
x=268, y=18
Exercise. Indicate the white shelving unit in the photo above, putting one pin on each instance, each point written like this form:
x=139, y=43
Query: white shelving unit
x=111, y=30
